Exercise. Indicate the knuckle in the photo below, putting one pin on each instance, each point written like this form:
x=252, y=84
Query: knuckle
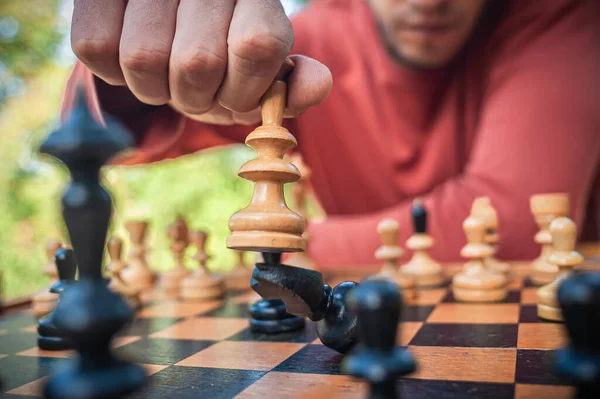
x=143, y=59
x=260, y=48
x=201, y=61
x=93, y=50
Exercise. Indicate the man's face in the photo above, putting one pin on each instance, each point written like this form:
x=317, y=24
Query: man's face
x=426, y=33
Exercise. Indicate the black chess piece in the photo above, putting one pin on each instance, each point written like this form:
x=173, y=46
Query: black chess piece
x=88, y=312
x=269, y=316
x=419, y=217
x=50, y=337
x=579, y=299
x=377, y=359
x=306, y=295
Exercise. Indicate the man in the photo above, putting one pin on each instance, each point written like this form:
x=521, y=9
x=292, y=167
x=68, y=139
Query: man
x=390, y=99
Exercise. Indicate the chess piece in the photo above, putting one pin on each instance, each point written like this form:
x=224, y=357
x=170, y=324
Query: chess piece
x=267, y=225
x=201, y=285
x=88, y=312
x=390, y=252
x=270, y=316
x=239, y=277
x=137, y=272
x=426, y=271
x=178, y=232
x=378, y=360
x=579, y=300
x=45, y=302
x=545, y=208
x=130, y=293
x=482, y=209
x=564, y=235
x=50, y=336
x=477, y=283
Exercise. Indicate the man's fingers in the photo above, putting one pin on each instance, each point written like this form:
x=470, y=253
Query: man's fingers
x=97, y=44
x=309, y=84
x=148, y=31
x=260, y=37
x=199, y=54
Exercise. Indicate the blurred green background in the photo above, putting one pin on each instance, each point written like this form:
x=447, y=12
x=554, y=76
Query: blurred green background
x=35, y=60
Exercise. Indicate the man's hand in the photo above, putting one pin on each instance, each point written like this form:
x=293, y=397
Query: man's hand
x=210, y=59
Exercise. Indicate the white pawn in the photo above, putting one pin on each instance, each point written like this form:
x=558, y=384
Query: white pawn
x=478, y=283
x=545, y=208
x=482, y=209
x=201, y=284
x=390, y=252
x=426, y=271
x=564, y=234
x=130, y=293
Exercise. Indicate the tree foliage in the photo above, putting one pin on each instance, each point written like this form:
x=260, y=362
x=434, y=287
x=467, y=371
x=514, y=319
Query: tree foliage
x=30, y=33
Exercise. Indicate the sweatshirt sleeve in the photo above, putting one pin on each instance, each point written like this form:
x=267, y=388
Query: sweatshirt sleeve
x=539, y=132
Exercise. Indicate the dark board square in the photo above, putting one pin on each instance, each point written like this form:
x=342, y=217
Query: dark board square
x=427, y=389
x=229, y=309
x=197, y=382
x=16, y=321
x=512, y=297
x=537, y=367
x=312, y=359
x=527, y=283
x=161, y=350
x=306, y=335
x=20, y=370
x=416, y=313
x=467, y=335
x=14, y=342
x=528, y=314
x=147, y=326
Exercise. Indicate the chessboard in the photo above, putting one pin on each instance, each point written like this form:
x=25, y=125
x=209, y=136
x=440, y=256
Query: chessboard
x=206, y=349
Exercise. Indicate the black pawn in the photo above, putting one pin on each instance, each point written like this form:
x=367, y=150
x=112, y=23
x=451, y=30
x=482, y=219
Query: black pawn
x=378, y=305
x=579, y=299
x=269, y=316
x=88, y=312
x=50, y=337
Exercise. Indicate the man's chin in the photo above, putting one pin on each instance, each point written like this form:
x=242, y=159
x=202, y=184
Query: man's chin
x=416, y=60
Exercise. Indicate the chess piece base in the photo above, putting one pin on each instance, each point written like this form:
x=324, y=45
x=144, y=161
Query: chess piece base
x=139, y=277
x=270, y=317
x=44, y=303
x=478, y=284
x=475, y=295
x=200, y=288
x=425, y=275
x=169, y=282
x=543, y=273
x=549, y=313
x=77, y=383
x=50, y=338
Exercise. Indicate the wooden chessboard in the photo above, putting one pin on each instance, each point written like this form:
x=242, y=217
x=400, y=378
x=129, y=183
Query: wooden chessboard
x=191, y=350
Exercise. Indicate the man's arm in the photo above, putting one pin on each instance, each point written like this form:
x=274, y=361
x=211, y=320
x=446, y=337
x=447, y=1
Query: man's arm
x=539, y=132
